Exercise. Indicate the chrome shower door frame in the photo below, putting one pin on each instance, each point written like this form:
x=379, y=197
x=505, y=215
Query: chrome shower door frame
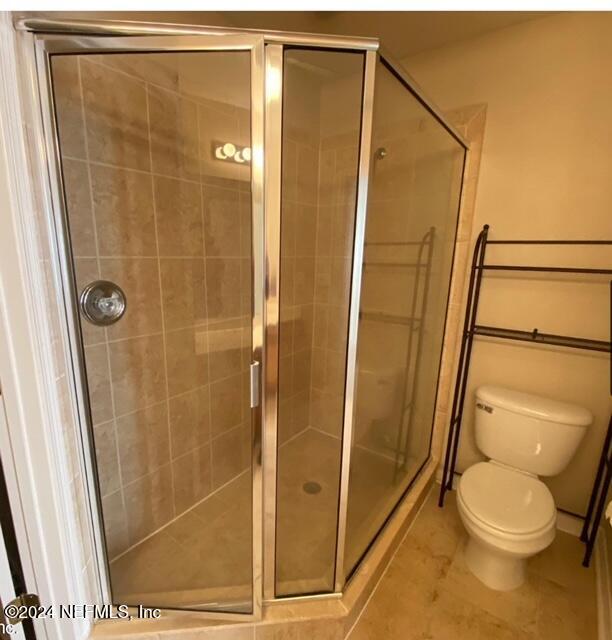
x=51, y=36
x=46, y=45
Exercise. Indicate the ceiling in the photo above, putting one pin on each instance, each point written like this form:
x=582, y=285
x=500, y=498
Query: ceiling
x=404, y=33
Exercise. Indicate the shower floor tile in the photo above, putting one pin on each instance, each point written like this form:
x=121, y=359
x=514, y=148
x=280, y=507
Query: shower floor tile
x=428, y=591
x=202, y=559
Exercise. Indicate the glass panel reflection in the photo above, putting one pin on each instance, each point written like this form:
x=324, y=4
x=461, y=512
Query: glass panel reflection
x=413, y=201
x=321, y=126
x=153, y=207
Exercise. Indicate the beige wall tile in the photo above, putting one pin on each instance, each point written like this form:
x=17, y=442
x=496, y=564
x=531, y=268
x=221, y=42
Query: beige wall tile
x=138, y=373
x=302, y=361
x=67, y=95
x=189, y=420
x=285, y=330
x=324, y=227
x=146, y=229
x=227, y=357
x=337, y=328
x=304, y=280
x=157, y=68
x=174, y=141
x=143, y=441
x=183, y=292
x=115, y=524
x=227, y=455
x=186, y=359
x=105, y=442
x=98, y=382
x=223, y=288
x=301, y=410
x=217, y=127
x=285, y=376
x=148, y=503
x=178, y=211
x=289, y=169
x=123, y=208
x=139, y=279
x=307, y=175
x=222, y=222
x=288, y=227
x=287, y=282
x=116, y=117
x=192, y=477
x=306, y=230
x=303, y=327
x=246, y=224
x=78, y=204
x=226, y=403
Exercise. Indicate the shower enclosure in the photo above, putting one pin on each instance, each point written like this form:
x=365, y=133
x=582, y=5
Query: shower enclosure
x=255, y=233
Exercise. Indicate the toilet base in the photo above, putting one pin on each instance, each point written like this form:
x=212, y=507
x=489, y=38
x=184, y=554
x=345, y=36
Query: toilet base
x=496, y=570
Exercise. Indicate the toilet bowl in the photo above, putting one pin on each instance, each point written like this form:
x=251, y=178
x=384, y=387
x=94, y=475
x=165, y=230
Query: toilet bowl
x=508, y=512
x=509, y=516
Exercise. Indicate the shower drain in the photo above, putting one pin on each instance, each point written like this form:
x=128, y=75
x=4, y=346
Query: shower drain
x=311, y=487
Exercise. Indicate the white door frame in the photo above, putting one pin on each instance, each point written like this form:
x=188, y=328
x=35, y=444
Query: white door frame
x=34, y=463
x=7, y=587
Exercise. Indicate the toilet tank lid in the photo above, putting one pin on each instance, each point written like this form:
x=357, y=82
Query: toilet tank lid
x=535, y=406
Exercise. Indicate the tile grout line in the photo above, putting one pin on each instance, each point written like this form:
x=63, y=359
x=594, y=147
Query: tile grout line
x=172, y=397
x=170, y=461
x=155, y=85
x=180, y=515
x=236, y=185
x=214, y=327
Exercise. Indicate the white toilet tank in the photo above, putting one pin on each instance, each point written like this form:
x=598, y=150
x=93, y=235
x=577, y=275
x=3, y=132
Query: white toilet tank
x=528, y=432
x=377, y=390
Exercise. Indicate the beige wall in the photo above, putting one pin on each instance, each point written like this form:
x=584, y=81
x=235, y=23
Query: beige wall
x=545, y=174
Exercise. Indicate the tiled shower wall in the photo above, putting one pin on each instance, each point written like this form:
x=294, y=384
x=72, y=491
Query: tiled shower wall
x=151, y=212
x=335, y=232
x=317, y=228
x=300, y=170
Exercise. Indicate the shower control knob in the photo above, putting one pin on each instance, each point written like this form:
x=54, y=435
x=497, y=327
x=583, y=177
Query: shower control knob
x=102, y=302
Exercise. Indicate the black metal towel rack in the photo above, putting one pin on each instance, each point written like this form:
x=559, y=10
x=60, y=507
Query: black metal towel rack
x=471, y=328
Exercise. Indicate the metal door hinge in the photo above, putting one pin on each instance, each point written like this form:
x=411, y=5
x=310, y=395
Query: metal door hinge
x=17, y=610
x=254, y=369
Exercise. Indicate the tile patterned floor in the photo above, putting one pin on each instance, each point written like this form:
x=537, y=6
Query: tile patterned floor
x=203, y=558
x=428, y=593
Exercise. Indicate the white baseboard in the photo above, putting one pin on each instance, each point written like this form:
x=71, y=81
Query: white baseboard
x=603, y=570
x=569, y=524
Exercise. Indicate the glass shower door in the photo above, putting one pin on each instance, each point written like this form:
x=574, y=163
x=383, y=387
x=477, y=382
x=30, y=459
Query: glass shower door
x=161, y=176
x=416, y=168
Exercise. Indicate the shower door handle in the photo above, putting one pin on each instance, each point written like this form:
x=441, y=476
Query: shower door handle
x=255, y=384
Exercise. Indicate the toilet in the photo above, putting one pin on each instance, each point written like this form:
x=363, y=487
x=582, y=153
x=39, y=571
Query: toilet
x=377, y=402
x=509, y=513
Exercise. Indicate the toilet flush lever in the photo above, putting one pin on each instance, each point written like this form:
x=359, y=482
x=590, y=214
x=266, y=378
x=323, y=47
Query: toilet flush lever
x=484, y=407
x=254, y=371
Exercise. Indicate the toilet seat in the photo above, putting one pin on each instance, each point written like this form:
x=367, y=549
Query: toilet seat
x=506, y=501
